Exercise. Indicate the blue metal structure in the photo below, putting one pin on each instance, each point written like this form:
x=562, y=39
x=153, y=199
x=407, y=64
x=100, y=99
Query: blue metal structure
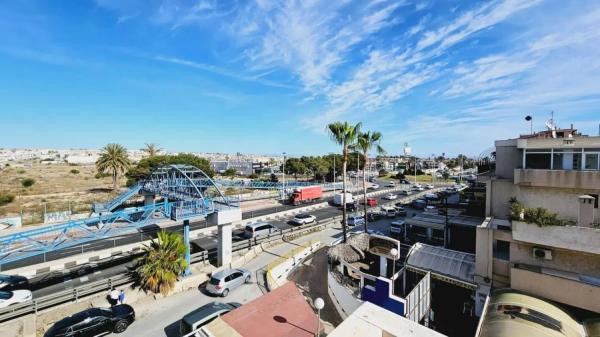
x=183, y=192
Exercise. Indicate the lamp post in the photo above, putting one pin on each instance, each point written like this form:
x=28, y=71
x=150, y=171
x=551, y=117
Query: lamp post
x=319, y=304
x=334, y=174
x=394, y=253
x=283, y=180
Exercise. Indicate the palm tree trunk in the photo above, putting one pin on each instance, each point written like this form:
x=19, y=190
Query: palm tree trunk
x=344, y=219
x=365, y=190
x=114, y=176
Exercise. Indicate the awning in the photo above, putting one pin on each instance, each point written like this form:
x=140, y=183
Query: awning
x=449, y=265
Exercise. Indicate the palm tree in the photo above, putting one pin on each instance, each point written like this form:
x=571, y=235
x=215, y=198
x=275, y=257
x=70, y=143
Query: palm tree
x=163, y=261
x=365, y=142
x=344, y=134
x=114, y=160
x=151, y=149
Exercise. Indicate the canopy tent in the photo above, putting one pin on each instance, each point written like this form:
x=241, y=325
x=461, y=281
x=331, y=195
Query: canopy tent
x=445, y=264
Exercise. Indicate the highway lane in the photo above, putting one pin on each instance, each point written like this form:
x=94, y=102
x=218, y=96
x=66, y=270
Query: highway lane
x=142, y=235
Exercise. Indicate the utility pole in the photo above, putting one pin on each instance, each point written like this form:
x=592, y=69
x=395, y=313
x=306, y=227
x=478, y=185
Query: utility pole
x=283, y=182
x=334, y=174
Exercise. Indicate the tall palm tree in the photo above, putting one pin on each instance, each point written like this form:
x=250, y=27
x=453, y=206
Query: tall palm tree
x=163, y=261
x=344, y=134
x=365, y=142
x=114, y=160
x=151, y=149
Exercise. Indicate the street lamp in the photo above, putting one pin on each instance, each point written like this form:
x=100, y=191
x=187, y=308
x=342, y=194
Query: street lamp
x=319, y=304
x=283, y=180
x=394, y=253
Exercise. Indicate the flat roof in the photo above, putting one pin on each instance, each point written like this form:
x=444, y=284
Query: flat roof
x=372, y=320
x=284, y=312
x=445, y=262
x=437, y=221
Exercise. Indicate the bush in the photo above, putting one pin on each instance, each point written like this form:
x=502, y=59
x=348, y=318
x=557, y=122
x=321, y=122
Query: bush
x=27, y=182
x=230, y=172
x=6, y=199
x=74, y=171
x=101, y=175
x=21, y=171
x=537, y=215
x=400, y=176
x=383, y=172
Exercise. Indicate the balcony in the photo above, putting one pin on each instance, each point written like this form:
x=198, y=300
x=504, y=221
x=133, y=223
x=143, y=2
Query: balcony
x=577, y=290
x=575, y=238
x=558, y=178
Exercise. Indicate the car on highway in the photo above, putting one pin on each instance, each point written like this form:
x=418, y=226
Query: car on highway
x=302, y=219
x=94, y=322
x=351, y=207
x=371, y=202
x=11, y=297
x=389, y=211
x=418, y=188
x=374, y=216
x=258, y=229
x=390, y=196
x=429, y=186
x=405, y=192
x=400, y=210
x=373, y=186
x=204, y=315
x=354, y=220
x=224, y=281
x=13, y=282
x=391, y=184
x=404, y=182
x=418, y=204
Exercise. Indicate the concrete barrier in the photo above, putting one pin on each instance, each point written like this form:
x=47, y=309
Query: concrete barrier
x=278, y=271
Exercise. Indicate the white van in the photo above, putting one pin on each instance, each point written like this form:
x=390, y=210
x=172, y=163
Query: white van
x=389, y=211
x=258, y=229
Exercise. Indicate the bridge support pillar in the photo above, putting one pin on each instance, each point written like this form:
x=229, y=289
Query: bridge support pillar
x=224, y=247
x=186, y=239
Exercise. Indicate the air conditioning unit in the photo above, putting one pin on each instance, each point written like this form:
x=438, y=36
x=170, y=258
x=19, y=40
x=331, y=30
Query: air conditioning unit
x=542, y=253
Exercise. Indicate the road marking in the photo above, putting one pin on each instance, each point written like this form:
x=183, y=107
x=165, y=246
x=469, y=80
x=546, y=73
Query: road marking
x=83, y=279
x=98, y=272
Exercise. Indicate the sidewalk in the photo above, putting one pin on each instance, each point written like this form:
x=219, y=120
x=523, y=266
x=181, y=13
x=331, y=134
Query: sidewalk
x=160, y=317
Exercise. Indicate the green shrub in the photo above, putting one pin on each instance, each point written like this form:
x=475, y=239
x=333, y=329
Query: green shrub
x=27, y=182
x=6, y=199
x=537, y=215
x=101, y=175
x=74, y=171
x=383, y=172
x=21, y=171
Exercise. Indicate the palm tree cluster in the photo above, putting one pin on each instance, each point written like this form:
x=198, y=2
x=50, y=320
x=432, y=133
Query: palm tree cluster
x=114, y=160
x=163, y=261
x=151, y=150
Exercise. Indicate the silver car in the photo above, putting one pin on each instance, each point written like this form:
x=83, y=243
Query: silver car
x=257, y=229
x=222, y=282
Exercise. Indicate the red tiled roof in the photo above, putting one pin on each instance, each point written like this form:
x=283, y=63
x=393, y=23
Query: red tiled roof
x=281, y=313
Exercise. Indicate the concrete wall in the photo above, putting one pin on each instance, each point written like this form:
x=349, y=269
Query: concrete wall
x=278, y=274
x=558, y=178
x=556, y=288
x=507, y=158
x=483, y=253
x=344, y=301
x=576, y=262
x=499, y=192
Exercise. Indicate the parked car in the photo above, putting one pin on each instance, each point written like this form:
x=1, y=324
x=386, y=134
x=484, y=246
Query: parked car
x=93, y=322
x=400, y=210
x=431, y=209
x=405, y=192
x=390, y=212
x=302, y=219
x=390, y=196
x=258, y=228
x=398, y=227
x=13, y=282
x=354, y=220
x=10, y=297
x=371, y=202
x=224, y=281
x=429, y=186
x=391, y=184
x=418, y=204
x=204, y=315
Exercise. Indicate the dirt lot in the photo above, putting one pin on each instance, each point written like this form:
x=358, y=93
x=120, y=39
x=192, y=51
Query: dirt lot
x=56, y=188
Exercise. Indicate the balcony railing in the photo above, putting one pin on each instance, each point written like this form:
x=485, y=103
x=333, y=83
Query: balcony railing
x=558, y=178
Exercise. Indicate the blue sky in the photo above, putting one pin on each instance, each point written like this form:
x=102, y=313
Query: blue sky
x=267, y=76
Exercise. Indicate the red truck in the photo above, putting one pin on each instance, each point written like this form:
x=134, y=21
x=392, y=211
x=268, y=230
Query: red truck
x=306, y=195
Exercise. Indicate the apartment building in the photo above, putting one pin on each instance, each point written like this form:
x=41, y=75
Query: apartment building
x=551, y=257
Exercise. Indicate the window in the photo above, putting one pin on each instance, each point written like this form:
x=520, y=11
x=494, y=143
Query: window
x=558, y=161
x=596, y=201
x=537, y=161
x=591, y=161
x=576, y=161
x=502, y=250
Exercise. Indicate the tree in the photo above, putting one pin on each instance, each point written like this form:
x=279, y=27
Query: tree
x=273, y=178
x=445, y=175
x=295, y=166
x=114, y=160
x=151, y=149
x=344, y=134
x=163, y=261
x=144, y=167
x=230, y=172
x=27, y=182
x=366, y=141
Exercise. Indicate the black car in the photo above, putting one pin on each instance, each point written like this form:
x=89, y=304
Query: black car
x=351, y=207
x=374, y=216
x=94, y=321
x=13, y=282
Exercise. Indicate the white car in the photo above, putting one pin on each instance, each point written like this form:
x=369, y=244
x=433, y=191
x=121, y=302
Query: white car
x=374, y=186
x=418, y=188
x=302, y=219
x=390, y=196
x=13, y=297
x=428, y=186
x=391, y=184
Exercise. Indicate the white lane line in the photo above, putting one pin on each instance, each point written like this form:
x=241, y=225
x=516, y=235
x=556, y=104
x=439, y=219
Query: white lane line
x=97, y=272
x=83, y=279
